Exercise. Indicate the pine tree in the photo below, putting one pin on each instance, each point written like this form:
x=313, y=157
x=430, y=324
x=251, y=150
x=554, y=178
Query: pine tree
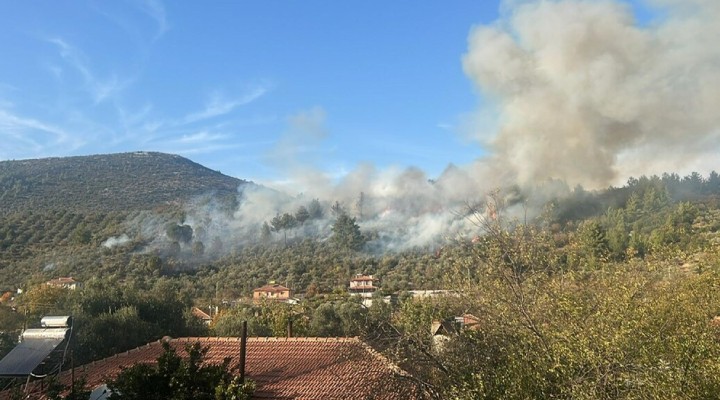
x=346, y=233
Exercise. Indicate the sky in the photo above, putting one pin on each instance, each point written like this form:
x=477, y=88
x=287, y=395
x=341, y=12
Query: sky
x=239, y=86
x=252, y=89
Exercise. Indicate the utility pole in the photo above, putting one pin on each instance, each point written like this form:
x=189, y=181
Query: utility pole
x=243, y=350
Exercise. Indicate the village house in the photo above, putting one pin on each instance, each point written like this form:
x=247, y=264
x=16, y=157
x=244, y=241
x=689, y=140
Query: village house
x=273, y=292
x=201, y=315
x=363, y=286
x=443, y=330
x=64, y=282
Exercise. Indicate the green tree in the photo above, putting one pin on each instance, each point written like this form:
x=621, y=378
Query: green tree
x=198, y=248
x=593, y=241
x=179, y=233
x=179, y=378
x=302, y=214
x=326, y=322
x=315, y=209
x=46, y=300
x=82, y=235
x=346, y=233
x=111, y=332
x=283, y=222
x=229, y=322
x=617, y=233
x=265, y=233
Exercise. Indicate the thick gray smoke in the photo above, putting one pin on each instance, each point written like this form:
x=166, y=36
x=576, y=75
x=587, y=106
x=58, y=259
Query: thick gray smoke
x=586, y=94
x=583, y=93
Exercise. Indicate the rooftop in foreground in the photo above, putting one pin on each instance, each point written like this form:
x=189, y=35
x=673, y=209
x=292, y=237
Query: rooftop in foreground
x=282, y=368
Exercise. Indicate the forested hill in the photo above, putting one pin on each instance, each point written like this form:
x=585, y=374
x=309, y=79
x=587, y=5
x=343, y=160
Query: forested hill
x=108, y=182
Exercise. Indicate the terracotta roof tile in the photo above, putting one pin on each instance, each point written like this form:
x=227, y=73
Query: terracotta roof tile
x=283, y=368
x=363, y=278
x=272, y=288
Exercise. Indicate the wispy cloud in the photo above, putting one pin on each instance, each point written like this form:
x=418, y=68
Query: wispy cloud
x=13, y=123
x=219, y=105
x=99, y=89
x=126, y=18
x=198, y=142
x=204, y=149
x=29, y=136
x=201, y=137
x=155, y=9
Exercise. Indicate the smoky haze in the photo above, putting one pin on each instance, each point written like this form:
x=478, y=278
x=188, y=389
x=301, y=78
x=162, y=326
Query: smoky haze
x=580, y=93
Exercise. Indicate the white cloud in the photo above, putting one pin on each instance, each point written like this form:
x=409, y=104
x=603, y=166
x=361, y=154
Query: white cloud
x=32, y=137
x=155, y=9
x=218, y=105
x=99, y=89
x=201, y=137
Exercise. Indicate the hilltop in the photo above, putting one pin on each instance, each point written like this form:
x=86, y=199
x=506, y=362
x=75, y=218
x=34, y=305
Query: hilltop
x=109, y=182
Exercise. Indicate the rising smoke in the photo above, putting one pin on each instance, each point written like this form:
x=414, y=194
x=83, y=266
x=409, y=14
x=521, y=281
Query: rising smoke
x=583, y=94
x=586, y=94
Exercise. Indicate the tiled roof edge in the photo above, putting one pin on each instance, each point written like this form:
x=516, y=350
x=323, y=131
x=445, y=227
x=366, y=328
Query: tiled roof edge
x=264, y=339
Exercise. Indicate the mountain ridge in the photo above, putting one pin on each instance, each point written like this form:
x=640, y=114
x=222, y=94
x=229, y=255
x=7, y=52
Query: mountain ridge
x=109, y=182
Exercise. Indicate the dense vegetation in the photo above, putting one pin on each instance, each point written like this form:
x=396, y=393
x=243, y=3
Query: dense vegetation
x=127, y=181
x=174, y=377
x=608, y=294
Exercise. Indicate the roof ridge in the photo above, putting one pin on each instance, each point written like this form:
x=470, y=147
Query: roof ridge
x=343, y=339
x=82, y=369
x=186, y=339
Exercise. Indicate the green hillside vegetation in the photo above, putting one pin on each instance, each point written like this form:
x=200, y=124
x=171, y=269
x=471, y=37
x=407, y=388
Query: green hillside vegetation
x=110, y=182
x=605, y=295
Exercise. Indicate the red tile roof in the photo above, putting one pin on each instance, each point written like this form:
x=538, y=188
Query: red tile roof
x=363, y=278
x=282, y=368
x=62, y=280
x=272, y=288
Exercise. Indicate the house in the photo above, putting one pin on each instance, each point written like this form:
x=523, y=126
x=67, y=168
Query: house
x=363, y=286
x=442, y=330
x=454, y=325
x=201, y=315
x=64, y=282
x=282, y=368
x=273, y=292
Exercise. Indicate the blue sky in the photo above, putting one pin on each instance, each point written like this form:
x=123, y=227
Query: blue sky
x=242, y=87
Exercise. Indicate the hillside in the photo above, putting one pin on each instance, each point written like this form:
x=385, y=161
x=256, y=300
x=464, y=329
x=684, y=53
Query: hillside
x=108, y=182
x=621, y=280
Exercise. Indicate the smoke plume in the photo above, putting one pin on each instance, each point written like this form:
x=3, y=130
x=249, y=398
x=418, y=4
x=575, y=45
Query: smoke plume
x=586, y=94
x=116, y=241
x=583, y=93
